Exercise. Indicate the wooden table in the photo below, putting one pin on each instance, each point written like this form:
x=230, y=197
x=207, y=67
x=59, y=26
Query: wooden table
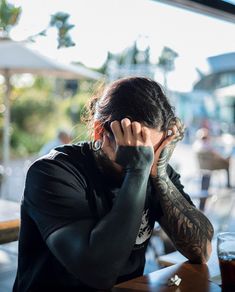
x=195, y=278
x=9, y=221
x=176, y=257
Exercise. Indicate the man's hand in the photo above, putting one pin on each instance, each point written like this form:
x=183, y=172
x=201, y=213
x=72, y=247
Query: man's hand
x=163, y=153
x=131, y=138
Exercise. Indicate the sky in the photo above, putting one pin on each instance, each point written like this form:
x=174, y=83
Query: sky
x=113, y=25
x=230, y=1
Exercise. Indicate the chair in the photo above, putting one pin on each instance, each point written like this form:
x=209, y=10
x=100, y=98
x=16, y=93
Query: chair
x=209, y=162
x=220, y=209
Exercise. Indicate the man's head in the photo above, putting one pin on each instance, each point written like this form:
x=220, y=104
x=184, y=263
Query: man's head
x=137, y=98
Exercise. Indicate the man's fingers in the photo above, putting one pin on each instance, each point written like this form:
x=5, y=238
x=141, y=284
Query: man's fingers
x=136, y=131
x=170, y=136
x=117, y=132
x=130, y=133
x=172, y=133
x=176, y=122
x=179, y=125
x=146, y=136
x=127, y=130
x=178, y=133
x=175, y=130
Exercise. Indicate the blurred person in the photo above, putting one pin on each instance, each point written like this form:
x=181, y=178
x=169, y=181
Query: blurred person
x=208, y=157
x=203, y=140
x=63, y=137
x=89, y=209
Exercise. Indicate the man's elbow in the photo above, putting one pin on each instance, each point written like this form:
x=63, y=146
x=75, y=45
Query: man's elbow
x=104, y=284
x=207, y=253
x=201, y=255
x=95, y=276
x=200, y=259
x=100, y=282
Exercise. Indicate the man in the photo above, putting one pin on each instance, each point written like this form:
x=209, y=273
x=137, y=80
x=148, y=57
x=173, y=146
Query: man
x=89, y=209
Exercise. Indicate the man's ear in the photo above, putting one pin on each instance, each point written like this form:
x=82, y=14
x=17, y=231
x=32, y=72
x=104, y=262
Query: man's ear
x=98, y=130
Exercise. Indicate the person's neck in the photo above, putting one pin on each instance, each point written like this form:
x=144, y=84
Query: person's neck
x=108, y=168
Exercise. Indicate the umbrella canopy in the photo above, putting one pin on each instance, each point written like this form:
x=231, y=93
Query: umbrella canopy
x=17, y=58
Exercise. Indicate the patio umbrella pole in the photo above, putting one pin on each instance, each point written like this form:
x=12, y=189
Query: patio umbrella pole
x=6, y=133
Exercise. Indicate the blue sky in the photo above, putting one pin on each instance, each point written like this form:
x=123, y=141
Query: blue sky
x=230, y=1
x=112, y=25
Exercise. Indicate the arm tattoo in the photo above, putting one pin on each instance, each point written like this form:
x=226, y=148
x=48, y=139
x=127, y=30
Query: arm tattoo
x=187, y=227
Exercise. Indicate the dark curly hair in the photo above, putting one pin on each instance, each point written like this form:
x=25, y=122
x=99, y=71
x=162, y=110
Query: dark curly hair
x=138, y=98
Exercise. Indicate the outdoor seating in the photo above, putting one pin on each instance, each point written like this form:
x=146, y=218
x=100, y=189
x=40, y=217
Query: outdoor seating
x=220, y=209
x=9, y=231
x=209, y=163
x=9, y=221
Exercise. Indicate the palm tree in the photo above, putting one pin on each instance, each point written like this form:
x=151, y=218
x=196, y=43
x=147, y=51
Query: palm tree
x=9, y=16
x=60, y=21
x=166, y=62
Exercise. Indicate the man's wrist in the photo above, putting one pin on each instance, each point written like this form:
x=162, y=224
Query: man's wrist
x=160, y=175
x=158, y=180
x=135, y=157
x=160, y=184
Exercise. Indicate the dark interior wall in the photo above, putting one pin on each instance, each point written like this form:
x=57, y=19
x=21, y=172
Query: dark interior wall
x=216, y=8
x=216, y=4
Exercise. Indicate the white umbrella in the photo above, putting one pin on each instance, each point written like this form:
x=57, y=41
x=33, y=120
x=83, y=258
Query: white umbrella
x=16, y=58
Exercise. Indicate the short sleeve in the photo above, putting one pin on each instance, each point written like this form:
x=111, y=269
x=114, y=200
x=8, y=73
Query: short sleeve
x=55, y=195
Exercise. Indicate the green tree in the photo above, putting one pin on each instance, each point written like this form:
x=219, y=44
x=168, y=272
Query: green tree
x=34, y=111
x=9, y=16
x=60, y=21
x=166, y=62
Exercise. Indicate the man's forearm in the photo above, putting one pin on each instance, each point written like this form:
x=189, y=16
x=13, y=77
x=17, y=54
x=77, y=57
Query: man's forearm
x=188, y=228
x=97, y=252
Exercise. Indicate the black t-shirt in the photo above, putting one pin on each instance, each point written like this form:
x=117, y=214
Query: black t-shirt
x=61, y=188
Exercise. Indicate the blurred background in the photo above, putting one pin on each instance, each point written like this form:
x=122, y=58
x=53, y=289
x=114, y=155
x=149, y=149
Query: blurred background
x=188, y=48
x=54, y=56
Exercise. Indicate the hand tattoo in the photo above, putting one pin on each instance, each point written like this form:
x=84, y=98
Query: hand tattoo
x=168, y=150
x=187, y=227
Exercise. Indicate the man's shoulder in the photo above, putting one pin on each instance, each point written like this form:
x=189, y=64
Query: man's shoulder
x=66, y=153
x=69, y=158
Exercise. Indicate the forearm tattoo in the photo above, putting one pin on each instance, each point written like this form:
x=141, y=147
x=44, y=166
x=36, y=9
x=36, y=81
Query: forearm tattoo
x=187, y=227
